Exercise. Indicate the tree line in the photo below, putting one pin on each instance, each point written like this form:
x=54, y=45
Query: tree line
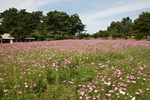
x=126, y=28
x=53, y=25
x=60, y=25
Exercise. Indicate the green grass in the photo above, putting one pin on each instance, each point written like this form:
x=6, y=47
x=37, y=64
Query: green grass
x=53, y=72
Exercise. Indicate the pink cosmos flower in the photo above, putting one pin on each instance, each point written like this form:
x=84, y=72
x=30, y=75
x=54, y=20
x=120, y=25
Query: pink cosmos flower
x=35, y=85
x=107, y=83
x=71, y=95
x=104, y=74
x=84, y=86
x=137, y=93
x=82, y=93
x=87, y=97
x=6, y=90
x=74, y=86
x=120, y=73
x=96, y=82
x=109, y=95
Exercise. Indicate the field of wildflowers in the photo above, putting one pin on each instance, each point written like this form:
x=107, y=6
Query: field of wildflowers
x=75, y=69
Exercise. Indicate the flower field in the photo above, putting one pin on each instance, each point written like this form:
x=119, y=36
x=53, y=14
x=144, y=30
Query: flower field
x=75, y=69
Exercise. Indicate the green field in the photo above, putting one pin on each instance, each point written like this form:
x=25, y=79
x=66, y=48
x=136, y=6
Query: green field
x=75, y=69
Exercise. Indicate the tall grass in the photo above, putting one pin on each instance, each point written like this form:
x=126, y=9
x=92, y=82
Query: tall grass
x=75, y=69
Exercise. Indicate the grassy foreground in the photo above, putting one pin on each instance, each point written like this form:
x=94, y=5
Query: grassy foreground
x=75, y=69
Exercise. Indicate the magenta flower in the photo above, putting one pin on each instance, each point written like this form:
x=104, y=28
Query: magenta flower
x=109, y=95
x=35, y=85
x=104, y=74
x=71, y=95
x=74, y=86
x=84, y=86
x=96, y=82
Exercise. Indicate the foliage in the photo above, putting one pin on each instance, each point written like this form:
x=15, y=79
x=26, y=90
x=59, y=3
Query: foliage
x=60, y=25
x=142, y=25
x=55, y=25
x=76, y=25
x=83, y=36
x=120, y=29
x=1, y=30
x=125, y=28
x=9, y=19
x=20, y=23
x=101, y=33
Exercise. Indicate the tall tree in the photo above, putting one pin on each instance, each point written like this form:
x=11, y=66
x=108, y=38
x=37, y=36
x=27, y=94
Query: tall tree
x=115, y=29
x=9, y=19
x=142, y=25
x=60, y=23
x=56, y=22
x=20, y=23
x=127, y=26
x=103, y=34
x=1, y=31
x=24, y=25
x=76, y=25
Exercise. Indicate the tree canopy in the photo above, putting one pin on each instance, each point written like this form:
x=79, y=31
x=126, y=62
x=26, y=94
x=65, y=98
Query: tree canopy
x=142, y=25
x=21, y=23
x=139, y=28
x=60, y=25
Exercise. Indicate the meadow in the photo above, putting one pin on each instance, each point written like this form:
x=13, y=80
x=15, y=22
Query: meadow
x=75, y=69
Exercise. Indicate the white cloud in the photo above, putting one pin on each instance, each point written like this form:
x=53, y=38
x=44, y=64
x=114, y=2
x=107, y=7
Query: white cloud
x=96, y=14
x=122, y=9
x=100, y=19
x=29, y=5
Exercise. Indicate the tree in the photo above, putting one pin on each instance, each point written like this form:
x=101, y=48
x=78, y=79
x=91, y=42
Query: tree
x=9, y=19
x=103, y=34
x=141, y=25
x=57, y=23
x=1, y=32
x=127, y=27
x=21, y=22
x=61, y=24
x=19, y=33
x=115, y=29
x=76, y=25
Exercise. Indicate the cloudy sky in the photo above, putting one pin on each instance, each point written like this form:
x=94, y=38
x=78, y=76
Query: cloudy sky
x=95, y=14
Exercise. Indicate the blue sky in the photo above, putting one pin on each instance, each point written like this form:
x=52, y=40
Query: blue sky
x=95, y=14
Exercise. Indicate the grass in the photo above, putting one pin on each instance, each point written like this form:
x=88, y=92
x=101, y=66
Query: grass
x=75, y=69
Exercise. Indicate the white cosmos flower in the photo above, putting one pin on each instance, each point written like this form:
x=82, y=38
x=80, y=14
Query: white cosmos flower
x=95, y=91
x=122, y=92
x=133, y=98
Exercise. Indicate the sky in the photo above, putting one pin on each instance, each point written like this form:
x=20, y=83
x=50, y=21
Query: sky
x=95, y=14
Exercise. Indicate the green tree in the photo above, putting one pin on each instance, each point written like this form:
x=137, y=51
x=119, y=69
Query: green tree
x=9, y=19
x=127, y=27
x=1, y=32
x=42, y=32
x=141, y=25
x=115, y=29
x=19, y=33
x=103, y=34
x=21, y=22
x=76, y=25
x=59, y=24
